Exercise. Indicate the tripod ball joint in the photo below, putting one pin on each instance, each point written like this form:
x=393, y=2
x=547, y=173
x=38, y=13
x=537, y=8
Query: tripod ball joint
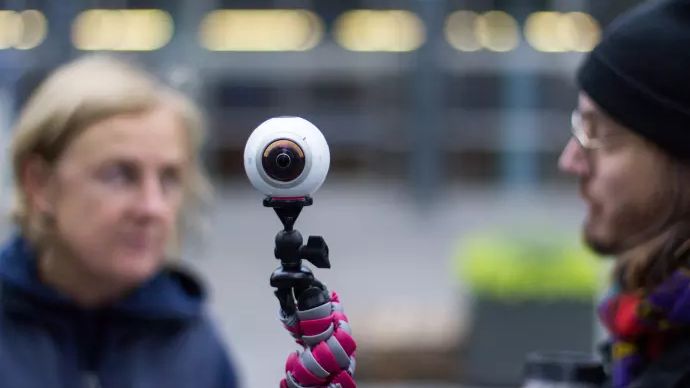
x=290, y=251
x=287, y=157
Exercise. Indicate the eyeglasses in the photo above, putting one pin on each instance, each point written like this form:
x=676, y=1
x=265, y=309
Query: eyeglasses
x=577, y=126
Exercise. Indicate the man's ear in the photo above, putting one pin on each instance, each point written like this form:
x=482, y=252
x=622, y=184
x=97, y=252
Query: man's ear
x=37, y=181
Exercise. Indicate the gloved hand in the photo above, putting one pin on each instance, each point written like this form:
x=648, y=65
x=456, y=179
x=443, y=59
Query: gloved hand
x=319, y=325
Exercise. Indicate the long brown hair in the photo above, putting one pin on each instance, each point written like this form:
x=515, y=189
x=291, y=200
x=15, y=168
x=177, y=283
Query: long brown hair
x=646, y=266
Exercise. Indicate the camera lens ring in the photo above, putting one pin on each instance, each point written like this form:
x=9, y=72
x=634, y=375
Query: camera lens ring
x=284, y=184
x=283, y=160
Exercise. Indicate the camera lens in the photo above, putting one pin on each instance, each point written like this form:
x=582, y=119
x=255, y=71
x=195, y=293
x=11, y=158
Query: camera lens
x=283, y=160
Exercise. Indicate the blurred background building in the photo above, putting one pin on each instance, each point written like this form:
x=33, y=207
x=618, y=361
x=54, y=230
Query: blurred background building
x=445, y=120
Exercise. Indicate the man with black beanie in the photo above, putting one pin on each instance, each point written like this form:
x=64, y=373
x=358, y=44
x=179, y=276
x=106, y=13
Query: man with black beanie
x=631, y=152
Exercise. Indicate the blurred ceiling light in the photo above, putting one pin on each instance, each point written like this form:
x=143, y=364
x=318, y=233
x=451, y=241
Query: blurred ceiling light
x=22, y=30
x=557, y=32
x=34, y=28
x=497, y=31
x=261, y=30
x=543, y=32
x=122, y=30
x=379, y=30
x=459, y=30
x=584, y=31
x=96, y=29
x=10, y=28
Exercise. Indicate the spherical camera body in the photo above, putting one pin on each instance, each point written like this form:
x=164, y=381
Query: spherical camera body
x=286, y=157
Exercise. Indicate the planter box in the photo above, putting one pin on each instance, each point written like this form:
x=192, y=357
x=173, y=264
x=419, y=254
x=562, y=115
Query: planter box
x=504, y=332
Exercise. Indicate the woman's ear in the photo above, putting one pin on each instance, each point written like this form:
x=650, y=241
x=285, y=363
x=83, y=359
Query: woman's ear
x=37, y=181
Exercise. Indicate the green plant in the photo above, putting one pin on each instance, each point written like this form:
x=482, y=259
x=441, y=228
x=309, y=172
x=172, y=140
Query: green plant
x=527, y=267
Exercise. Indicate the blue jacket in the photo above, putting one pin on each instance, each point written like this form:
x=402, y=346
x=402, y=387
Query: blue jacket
x=158, y=336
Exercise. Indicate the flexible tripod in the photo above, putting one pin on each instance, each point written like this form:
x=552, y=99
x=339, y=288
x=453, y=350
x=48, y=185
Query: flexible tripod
x=312, y=316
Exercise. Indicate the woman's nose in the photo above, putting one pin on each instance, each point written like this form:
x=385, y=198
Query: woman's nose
x=152, y=200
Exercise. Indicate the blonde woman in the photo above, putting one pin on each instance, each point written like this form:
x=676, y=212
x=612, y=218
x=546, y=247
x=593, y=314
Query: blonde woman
x=105, y=163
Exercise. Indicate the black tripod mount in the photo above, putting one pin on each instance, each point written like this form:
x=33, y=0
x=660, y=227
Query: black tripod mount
x=292, y=279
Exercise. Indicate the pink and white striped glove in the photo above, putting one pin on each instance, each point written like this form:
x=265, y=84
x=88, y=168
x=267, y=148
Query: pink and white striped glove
x=328, y=356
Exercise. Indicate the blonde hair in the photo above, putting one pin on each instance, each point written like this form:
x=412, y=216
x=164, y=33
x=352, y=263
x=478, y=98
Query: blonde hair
x=76, y=96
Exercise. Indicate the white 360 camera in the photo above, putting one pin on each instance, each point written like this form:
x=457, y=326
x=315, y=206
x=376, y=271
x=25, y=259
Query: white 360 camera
x=286, y=157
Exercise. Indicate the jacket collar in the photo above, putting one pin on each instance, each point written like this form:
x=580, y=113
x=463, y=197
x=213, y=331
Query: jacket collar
x=172, y=294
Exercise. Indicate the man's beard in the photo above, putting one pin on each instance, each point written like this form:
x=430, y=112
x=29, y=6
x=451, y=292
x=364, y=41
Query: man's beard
x=600, y=246
x=627, y=229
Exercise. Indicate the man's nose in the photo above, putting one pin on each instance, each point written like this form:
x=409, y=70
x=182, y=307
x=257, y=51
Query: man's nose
x=573, y=159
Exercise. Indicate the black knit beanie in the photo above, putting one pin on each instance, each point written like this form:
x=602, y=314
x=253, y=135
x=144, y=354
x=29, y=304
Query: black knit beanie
x=640, y=73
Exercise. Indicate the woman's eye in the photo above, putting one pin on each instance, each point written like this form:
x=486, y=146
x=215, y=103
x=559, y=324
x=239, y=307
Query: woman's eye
x=171, y=179
x=117, y=175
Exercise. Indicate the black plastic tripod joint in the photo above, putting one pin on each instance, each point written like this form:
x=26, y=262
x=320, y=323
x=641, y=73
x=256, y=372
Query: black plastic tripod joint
x=288, y=208
x=295, y=283
x=289, y=248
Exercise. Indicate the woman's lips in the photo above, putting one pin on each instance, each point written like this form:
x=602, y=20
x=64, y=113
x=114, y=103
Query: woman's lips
x=139, y=241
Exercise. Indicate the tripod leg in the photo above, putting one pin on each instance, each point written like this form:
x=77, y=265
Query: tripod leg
x=321, y=327
x=286, y=300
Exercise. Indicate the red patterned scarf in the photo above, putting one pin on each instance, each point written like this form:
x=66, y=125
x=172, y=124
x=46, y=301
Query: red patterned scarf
x=642, y=324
